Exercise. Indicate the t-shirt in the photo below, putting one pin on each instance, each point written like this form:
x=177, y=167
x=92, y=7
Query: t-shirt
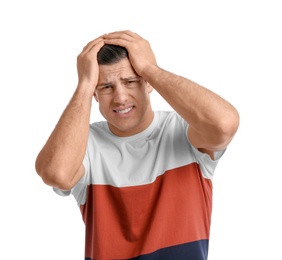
x=146, y=196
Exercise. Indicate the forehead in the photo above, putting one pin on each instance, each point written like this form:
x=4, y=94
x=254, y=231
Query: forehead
x=121, y=69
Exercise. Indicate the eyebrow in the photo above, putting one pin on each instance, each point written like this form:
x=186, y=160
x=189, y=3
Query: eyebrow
x=104, y=84
x=122, y=79
x=130, y=78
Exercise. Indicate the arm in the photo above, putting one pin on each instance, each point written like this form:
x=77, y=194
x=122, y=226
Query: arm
x=212, y=120
x=59, y=163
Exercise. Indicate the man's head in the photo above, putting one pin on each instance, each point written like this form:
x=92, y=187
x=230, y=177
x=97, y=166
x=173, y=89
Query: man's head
x=122, y=94
x=110, y=54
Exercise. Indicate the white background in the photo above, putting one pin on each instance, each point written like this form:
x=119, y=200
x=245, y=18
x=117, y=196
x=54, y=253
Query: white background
x=230, y=47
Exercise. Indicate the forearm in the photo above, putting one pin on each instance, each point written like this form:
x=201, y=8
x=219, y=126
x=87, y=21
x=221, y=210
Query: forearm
x=62, y=155
x=213, y=118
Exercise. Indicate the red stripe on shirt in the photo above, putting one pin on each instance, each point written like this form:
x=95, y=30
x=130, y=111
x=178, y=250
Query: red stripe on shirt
x=130, y=221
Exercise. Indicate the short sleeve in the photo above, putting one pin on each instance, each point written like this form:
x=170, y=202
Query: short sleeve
x=207, y=164
x=80, y=189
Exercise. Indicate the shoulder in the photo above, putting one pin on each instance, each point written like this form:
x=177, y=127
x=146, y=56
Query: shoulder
x=99, y=125
x=171, y=120
x=168, y=116
x=99, y=129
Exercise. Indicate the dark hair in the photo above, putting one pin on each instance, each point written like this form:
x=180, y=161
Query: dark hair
x=110, y=54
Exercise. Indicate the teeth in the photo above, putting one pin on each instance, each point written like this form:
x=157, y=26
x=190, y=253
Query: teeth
x=124, y=110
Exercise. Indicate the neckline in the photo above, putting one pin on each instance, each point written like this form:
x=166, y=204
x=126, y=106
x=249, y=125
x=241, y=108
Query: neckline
x=143, y=134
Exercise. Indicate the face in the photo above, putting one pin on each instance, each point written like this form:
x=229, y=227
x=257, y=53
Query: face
x=124, y=98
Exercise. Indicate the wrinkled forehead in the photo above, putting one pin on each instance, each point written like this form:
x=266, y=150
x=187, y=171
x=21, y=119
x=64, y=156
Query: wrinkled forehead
x=116, y=71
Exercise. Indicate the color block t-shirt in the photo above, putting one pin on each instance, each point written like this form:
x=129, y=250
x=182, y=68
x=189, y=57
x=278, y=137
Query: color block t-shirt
x=147, y=196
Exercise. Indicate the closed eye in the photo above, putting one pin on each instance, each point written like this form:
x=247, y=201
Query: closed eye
x=105, y=88
x=132, y=82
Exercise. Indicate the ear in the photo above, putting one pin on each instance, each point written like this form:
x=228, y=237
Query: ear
x=149, y=88
x=95, y=96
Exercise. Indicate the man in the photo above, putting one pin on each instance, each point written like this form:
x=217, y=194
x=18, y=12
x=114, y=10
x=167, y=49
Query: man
x=142, y=178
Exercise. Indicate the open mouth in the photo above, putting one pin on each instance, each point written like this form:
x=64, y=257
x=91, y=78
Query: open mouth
x=124, y=111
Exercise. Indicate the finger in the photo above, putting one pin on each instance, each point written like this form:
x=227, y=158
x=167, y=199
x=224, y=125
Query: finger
x=126, y=35
x=91, y=50
x=94, y=46
x=90, y=44
x=119, y=42
x=121, y=38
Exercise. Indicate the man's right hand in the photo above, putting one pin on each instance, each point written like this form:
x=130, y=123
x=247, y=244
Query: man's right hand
x=87, y=65
x=59, y=163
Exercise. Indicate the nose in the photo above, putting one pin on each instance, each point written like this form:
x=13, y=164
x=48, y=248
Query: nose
x=120, y=94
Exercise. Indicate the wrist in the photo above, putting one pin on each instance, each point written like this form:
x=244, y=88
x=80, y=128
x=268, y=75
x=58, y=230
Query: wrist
x=84, y=91
x=150, y=72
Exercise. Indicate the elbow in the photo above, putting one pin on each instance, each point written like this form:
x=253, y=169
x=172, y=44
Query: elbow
x=56, y=178
x=233, y=123
x=216, y=134
x=227, y=129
